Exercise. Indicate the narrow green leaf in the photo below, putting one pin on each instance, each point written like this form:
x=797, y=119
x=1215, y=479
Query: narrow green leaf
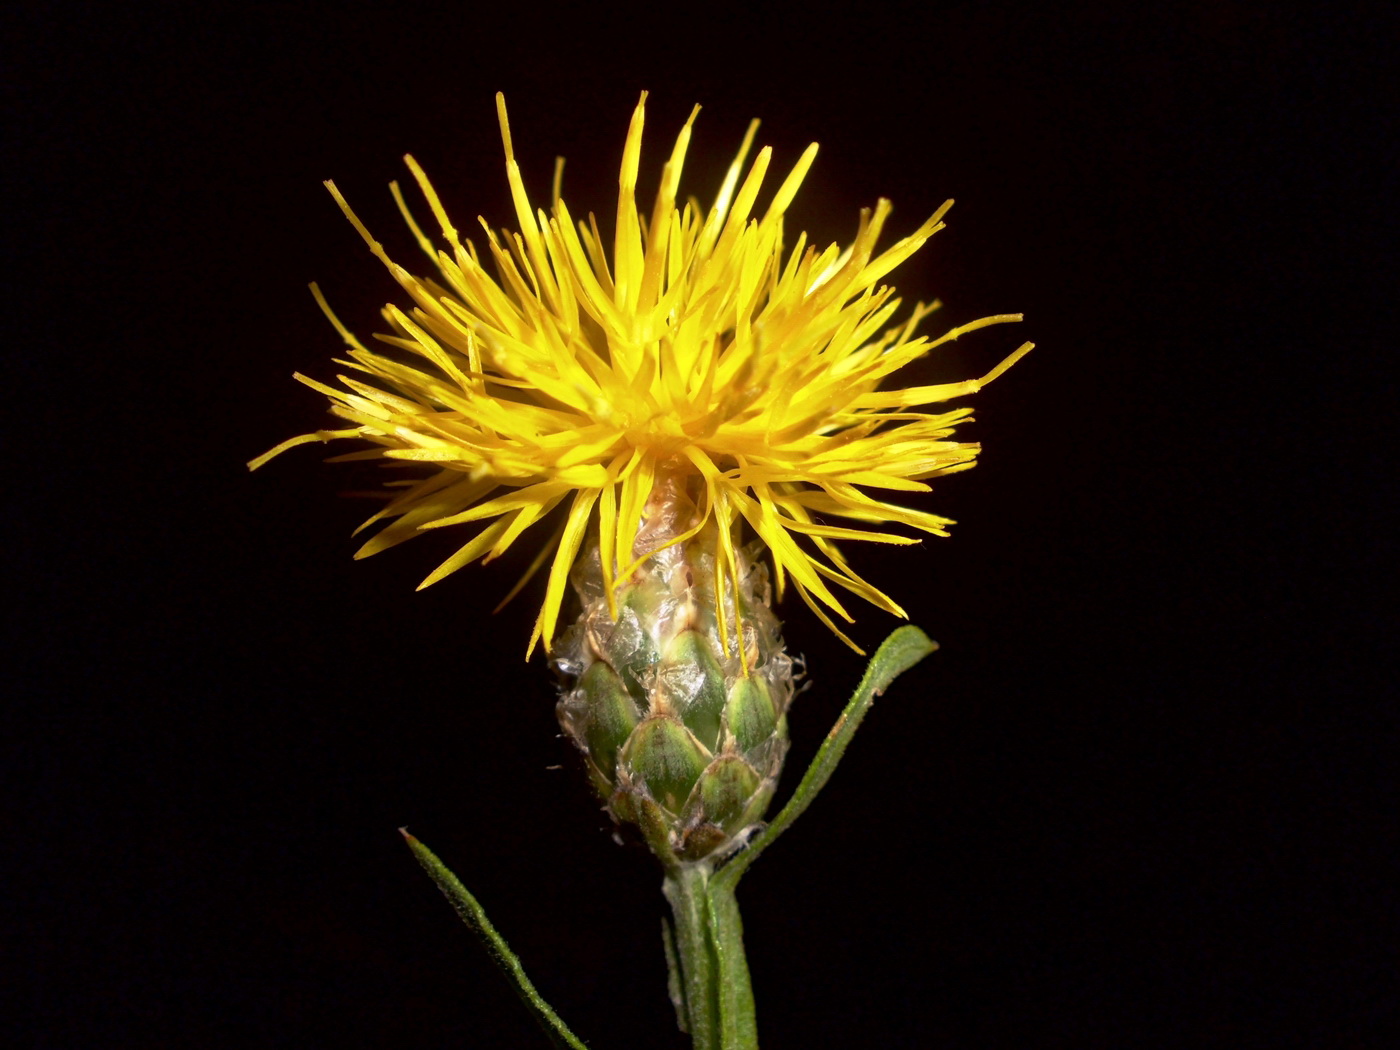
x=674, y=986
x=474, y=916
x=899, y=652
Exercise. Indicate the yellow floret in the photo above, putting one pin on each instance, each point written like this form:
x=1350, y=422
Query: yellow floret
x=575, y=376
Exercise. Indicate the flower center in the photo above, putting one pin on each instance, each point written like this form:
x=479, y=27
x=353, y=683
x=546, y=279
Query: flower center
x=660, y=433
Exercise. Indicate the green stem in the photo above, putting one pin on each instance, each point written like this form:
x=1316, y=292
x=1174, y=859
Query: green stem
x=716, y=992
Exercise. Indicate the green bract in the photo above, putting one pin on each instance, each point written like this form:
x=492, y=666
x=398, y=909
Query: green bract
x=663, y=709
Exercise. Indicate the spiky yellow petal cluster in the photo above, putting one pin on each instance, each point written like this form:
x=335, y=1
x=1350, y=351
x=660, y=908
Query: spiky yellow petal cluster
x=576, y=376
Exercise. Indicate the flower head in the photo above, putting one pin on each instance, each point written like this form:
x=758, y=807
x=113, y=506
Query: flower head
x=551, y=369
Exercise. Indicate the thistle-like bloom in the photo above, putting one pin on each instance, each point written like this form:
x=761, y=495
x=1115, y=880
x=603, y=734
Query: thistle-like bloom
x=548, y=371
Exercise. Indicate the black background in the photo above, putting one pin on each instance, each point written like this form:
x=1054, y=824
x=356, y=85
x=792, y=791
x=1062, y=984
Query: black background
x=1136, y=800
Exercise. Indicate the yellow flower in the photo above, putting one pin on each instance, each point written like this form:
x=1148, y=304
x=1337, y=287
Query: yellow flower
x=700, y=343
